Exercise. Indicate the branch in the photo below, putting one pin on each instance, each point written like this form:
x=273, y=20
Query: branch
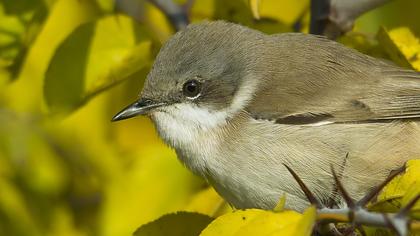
x=363, y=217
x=176, y=14
x=332, y=18
x=357, y=214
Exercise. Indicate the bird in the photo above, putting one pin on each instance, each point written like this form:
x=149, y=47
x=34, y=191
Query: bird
x=238, y=105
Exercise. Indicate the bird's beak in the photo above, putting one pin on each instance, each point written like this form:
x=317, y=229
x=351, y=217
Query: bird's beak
x=140, y=107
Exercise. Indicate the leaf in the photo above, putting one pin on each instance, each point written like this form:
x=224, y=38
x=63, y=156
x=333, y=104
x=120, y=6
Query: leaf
x=280, y=205
x=152, y=184
x=20, y=21
x=402, y=46
x=94, y=57
x=208, y=202
x=175, y=224
x=42, y=176
x=390, y=15
x=363, y=44
x=63, y=18
x=284, y=11
x=260, y=222
x=255, y=5
x=307, y=222
x=400, y=190
x=156, y=21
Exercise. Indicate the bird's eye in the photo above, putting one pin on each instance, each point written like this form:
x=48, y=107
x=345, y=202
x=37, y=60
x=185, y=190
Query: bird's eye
x=191, y=88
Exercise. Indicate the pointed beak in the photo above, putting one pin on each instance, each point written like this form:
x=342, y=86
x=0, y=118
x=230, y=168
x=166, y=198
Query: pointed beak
x=140, y=107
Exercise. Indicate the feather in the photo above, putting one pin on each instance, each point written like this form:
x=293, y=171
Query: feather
x=336, y=84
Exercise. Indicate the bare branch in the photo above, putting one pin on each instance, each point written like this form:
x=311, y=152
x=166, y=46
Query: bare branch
x=176, y=14
x=362, y=217
x=335, y=17
x=357, y=215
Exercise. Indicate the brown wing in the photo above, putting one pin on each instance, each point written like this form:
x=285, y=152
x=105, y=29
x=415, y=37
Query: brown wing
x=324, y=81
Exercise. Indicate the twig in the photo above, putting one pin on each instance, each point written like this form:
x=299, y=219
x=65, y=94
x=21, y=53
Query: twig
x=176, y=14
x=363, y=217
x=335, y=17
x=356, y=213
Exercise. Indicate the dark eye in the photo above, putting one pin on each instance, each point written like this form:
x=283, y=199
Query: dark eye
x=191, y=88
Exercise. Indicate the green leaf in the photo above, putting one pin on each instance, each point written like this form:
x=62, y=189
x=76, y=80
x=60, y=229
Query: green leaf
x=390, y=15
x=94, y=57
x=363, y=44
x=176, y=224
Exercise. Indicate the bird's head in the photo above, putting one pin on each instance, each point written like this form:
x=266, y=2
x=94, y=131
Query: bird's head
x=200, y=78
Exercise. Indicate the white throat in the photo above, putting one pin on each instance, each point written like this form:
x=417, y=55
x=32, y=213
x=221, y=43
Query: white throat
x=181, y=124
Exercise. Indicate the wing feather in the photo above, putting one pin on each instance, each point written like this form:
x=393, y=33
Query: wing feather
x=334, y=84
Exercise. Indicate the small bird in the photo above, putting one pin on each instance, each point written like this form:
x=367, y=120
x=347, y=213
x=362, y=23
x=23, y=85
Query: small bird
x=237, y=105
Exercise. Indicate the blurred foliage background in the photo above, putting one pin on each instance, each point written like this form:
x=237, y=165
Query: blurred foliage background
x=66, y=66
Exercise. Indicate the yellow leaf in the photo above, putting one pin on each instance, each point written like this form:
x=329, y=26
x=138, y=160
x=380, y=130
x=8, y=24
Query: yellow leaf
x=412, y=192
x=13, y=207
x=206, y=9
x=284, y=11
x=259, y=222
x=63, y=223
x=237, y=11
x=208, y=202
x=255, y=5
x=402, y=46
x=280, y=205
x=230, y=223
x=154, y=183
x=156, y=21
x=307, y=222
x=401, y=189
